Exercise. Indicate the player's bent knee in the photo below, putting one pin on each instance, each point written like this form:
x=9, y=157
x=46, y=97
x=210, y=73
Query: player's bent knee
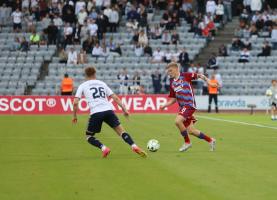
x=88, y=133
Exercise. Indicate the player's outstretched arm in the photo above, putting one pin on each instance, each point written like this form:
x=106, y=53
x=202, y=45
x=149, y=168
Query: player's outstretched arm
x=118, y=101
x=170, y=102
x=203, y=77
x=75, y=109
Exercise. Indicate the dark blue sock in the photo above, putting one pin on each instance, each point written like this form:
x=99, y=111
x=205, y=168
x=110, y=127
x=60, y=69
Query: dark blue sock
x=127, y=138
x=93, y=141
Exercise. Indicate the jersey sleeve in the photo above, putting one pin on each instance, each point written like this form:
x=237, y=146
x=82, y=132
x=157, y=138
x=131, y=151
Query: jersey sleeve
x=79, y=92
x=108, y=91
x=171, y=91
x=190, y=76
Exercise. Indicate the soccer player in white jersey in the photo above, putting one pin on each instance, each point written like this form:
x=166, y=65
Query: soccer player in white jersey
x=97, y=93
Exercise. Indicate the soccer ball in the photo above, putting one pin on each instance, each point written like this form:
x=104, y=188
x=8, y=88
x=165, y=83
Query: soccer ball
x=153, y=145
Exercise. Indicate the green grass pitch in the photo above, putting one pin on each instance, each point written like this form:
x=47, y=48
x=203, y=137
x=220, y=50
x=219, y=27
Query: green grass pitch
x=48, y=158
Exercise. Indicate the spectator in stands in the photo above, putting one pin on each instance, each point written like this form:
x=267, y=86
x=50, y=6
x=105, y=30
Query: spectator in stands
x=17, y=19
x=236, y=44
x=43, y=38
x=138, y=50
x=222, y=51
x=88, y=45
x=167, y=56
x=52, y=33
x=244, y=56
x=266, y=50
x=175, y=38
x=256, y=5
x=68, y=34
x=76, y=34
x=5, y=13
x=58, y=22
x=157, y=81
x=156, y=32
x=135, y=38
x=92, y=28
x=105, y=51
x=136, y=83
x=68, y=12
x=24, y=46
x=15, y=44
x=123, y=78
x=148, y=51
x=247, y=44
x=102, y=22
x=165, y=19
x=34, y=38
x=213, y=93
x=114, y=19
x=211, y=7
x=62, y=56
x=131, y=25
x=82, y=15
x=212, y=62
x=184, y=60
x=166, y=38
x=97, y=50
x=117, y=50
x=274, y=37
x=67, y=85
x=142, y=40
x=72, y=57
x=228, y=9
x=45, y=22
x=158, y=56
x=219, y=11
x=170, y=24
x=82, y=57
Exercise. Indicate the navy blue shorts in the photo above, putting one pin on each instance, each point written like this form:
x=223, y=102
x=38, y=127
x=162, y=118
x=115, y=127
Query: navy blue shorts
x=96, y=120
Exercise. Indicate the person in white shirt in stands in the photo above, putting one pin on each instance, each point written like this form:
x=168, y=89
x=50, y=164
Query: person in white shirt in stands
x=97, y=94
x=97, y=50
x=114, y=19
x=158, y=56
x=168, y=56
x=138, y=50
x=82, y=15
x=17, y=19
x=244, y=56
x=274, y=37
x=211, y=7
x=256, y=5
x=79, y=6
x=72, y=57
x=92, y=26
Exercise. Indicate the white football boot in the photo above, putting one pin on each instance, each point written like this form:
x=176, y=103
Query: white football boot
x=185, y=147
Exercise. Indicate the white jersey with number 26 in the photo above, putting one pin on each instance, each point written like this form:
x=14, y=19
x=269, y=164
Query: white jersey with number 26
x=96, y=93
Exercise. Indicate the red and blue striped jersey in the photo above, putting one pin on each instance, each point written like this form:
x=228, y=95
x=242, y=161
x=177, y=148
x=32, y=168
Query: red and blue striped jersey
x=181, y=89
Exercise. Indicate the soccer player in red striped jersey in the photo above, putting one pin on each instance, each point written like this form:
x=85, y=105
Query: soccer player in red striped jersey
x=182, y=93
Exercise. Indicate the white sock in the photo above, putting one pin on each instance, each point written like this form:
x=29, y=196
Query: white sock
x=275, y=116
x=134, y=145
x=103, y=147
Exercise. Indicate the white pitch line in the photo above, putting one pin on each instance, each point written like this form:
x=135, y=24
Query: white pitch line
x=238, y=122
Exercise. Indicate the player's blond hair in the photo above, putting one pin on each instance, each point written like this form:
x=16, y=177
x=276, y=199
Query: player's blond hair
x=172, y=64
x=90, y=71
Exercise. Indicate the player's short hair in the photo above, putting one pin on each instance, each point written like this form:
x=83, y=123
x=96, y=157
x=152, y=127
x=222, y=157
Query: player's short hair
x=90, y=71
x=172, y=64
x=274, y=80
